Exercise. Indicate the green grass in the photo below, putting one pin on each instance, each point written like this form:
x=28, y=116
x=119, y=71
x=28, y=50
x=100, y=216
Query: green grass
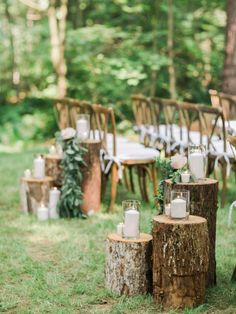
x=58, y=267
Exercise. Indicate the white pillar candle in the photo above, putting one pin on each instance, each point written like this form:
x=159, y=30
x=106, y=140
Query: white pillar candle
x=54, y=196
x=131, y=225
x=185, y=177
x=42, y=212
x=52, y=150
x=82, y=129
x=39, y=168
x=196, y=165
x=178, y=208
x=119, y=229
x=27, y=173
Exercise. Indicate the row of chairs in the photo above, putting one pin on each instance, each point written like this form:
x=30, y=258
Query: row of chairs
x=119, y=156
x=172, y=126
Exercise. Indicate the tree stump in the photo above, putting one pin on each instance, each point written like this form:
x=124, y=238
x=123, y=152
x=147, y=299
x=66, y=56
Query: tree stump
x=53, y=168
x=204, y=203
x=91, y=185
x=180, y=261
x=34, y=192
x=128, y=264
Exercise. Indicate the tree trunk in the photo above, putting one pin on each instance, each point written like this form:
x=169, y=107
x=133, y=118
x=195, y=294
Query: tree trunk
x=53, y=168
x=92, y=177
x=229, y=72
x=180, y=261
x=204, y=203
x=128, y=264
x=34, y=192
x=154, y=47
x=170, y=44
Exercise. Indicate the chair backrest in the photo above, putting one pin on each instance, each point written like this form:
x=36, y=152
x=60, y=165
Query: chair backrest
x=228, y=104
x=67, y=109
x=142, y=110
x=213, y=125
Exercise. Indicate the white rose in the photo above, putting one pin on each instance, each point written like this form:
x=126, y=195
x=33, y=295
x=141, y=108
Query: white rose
x=178, y=161
x=68, y=133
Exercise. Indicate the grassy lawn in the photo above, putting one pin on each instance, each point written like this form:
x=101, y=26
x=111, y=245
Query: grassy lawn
x=58, y=267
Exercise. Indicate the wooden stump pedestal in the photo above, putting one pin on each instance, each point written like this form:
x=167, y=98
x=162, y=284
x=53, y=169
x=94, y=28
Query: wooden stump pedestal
x=180, y=261
x=34, y=192
x=53, y=168
x=128, y=264
x=203, y=202
x=92, y=177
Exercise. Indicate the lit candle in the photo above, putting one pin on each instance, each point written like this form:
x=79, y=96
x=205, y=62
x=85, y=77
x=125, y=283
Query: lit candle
x=131, y=225
x=82, y=129
x=27, y=173
x=54, y=196
x=185, y=177
x=119, y=229
x=52, y=150
x=197, y=165
x=42, y=212
x=178, y=208
x=39, y=167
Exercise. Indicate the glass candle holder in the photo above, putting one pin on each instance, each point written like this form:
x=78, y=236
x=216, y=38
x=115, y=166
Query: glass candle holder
x=180, y=204
x=131, y=229
x=166, y=205
x=83, y=126
x=197, y=161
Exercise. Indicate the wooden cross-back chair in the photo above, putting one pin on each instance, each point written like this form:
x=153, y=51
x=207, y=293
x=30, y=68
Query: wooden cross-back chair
x=124, y=155
x=67, y=109
x=143, y=116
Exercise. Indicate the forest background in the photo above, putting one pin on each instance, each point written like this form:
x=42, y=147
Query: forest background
x=104, y=51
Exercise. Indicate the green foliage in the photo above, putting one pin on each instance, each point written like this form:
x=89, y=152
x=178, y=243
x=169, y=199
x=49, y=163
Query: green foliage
x=71, y=193
x=165, y=171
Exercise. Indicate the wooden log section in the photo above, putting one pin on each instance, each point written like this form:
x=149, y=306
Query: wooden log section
x=128, y=264
x=204, y=203
x=53, y=168
x=34, y=192
x=180, y=261
x=91, y=185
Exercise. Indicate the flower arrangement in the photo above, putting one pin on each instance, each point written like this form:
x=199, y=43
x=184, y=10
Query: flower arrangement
x=169, y=169
x=71, y=193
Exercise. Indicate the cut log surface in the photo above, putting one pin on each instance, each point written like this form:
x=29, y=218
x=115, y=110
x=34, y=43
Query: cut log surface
x=204, y=203
x=53, y=168
x=128, y=264
x=91, y=185
x=34, y=192
x=180, y=261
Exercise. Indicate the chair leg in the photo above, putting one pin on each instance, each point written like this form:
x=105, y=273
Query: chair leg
x=154, y=178
x=104, y=185
x=139, y=169
x=114, y=172
x=144, y=182
x=131, y=179
x=126, y=179
x=224, y=184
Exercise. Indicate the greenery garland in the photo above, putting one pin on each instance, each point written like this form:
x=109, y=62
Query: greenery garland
x=166, y=171
x=71, y=194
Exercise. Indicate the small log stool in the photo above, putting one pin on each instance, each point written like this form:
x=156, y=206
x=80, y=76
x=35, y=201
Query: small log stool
x=53, y=168
x=204, y=203
x=128, y=264
x=180, y=261
x=92, y=177
x=34, y=192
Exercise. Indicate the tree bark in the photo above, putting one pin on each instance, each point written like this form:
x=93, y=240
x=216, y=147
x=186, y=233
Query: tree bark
x=34, y=192
x=229, y=72
x=170, y=44
x=204, y=203
x=92, y=177
x=53, y=168
x=180, y=261
x=128, y=264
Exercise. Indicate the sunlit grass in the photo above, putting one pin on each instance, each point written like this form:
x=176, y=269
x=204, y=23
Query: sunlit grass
x=58, y=266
